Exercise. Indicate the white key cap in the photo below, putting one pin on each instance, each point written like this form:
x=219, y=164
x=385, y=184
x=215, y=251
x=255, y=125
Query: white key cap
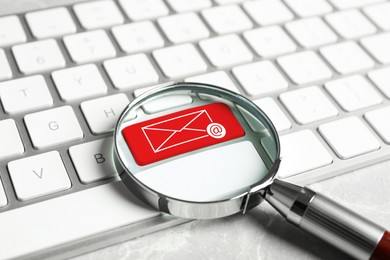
x=180, y=61
x=163, y=103
x=50, y=23
x=136, y=37
x=225, y=51
x=188, y=5
x=353, y=93
x=131, y=71
x=226, y=19
x=273, y=111
x=308, y=105
x=69, y=218
x=311, y=32
x=217, y=78
x=92, y=160
x=144, y=9
x=345, y=4
x=183, y=27
x=103, y=113
x=270, y=41
x=89, y=46
x=10, y=141
x=349, y=137
x=306, y=8
x=53, y=127
x=38, y=56
x=25, y=94
x=304, y=67
x=350, y=24
x=11, y=31
x=379, y=14
x=5, y=70
x=79, y=82
x=378, y=119
x=347, y=57
x=301, y=151
x=267, y=12
x=3, y=198
x=223, y=2
x=98, y=14
x=381, y=79
x=38, y=175
x=259, y=78
x=378, y=46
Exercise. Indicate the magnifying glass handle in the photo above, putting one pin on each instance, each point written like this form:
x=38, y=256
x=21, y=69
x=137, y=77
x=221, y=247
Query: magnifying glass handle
x=329, y=221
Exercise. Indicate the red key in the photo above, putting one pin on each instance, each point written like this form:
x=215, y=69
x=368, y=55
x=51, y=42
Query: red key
x=181, y=132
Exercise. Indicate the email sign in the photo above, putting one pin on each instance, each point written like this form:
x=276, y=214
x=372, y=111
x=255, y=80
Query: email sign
x=181, y=132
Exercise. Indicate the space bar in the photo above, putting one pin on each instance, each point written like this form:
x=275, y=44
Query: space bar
x=60, y=220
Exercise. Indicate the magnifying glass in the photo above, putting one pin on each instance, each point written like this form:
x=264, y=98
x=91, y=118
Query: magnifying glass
x=199, y=151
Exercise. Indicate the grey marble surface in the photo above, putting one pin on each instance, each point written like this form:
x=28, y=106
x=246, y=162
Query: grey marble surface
x=262, y=233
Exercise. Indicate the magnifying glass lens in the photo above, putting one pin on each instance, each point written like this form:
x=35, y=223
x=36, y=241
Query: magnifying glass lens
x=215, y=146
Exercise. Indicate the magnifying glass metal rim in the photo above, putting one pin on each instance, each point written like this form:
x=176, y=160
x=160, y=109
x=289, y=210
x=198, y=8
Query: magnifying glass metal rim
x=194, y=209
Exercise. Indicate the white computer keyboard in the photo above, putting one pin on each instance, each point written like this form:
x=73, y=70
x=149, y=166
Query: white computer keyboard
x=317, y=68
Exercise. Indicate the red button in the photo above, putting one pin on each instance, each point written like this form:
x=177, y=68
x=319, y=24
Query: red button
x=181, y=132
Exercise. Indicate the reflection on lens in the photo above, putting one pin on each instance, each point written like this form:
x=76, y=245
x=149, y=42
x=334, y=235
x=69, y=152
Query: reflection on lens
x=214, y=148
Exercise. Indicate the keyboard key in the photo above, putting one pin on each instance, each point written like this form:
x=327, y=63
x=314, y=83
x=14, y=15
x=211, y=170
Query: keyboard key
x=92, y=160
x=311, y=32
x=378, y=119
x=11, y=31
x=273, y=111
x=217, y=78
x=347, y=145
x=301, y=151
x=350, y=24
x=188, y=5
x=379, y=14
x=224, y=2
x=38, y=56
x=131, y=71
x=146, y=9
x=185, y=27
x=136, y=37
x=79, y=82
x=50, y=23
x=38, y=175
x=113, y=203
x=308, y=105
x=346, y=4
x=5, y=70
x=103, y=113
x=304, y=67
x=226, y=19
x=381, y=79
x=259, y=78
x=306, y=8
x=269, y=41
x=89, y=46
x=98, y=14
x=268, y=12
x=378, y=46
x=347, y=57
x=225, y=51
x=25, y=94
x=53, y=127
x=163, y=103
x=180, y=61
x=3, y=198
x=10, y=141
x=353, y=93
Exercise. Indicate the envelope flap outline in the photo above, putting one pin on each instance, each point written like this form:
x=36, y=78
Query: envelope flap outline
x=177, y=131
